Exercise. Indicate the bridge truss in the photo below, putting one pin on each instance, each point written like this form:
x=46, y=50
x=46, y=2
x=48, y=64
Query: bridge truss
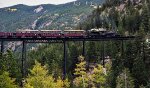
x=63, y=40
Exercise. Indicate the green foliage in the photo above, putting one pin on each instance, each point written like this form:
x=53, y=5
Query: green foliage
x=6, y=81
x=39, y=78
x=145, y=18
x=9, y=64
x=80, y=71
x=98, y=77
x=52, y=55
x=124, y=80
x=139, y=72
x=91, y=52
x=94, y=78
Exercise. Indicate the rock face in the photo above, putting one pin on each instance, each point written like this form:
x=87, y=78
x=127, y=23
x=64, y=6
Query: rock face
x=34, y=24
x=39, y=9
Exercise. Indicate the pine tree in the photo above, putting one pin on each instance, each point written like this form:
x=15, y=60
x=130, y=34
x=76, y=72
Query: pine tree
x=139, y=72
x=2, y=64
x=6, y=81
x=117, y=63
x=73, y=54
x=98, y=77
x=124, y=80
x=91, y=52
x=94, y=78
x=8, y=63
x=39, y=78
x=81, y=79
x=11, y=64
x=145, y=17
x=130, y=55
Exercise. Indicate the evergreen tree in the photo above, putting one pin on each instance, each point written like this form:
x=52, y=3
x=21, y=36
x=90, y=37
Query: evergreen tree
x=139, y=72
x=52, y=55
x=9, y=64
x=6, y=81
x=124, y=80
x=39, y=78
x=91, y=52
x=94, y=78
x=81, y=80
x=2, y=64
x=98, y=77
x=73, y=53
x=145, y=17
x=117, y=63
x=130, y=54
x=12, y=65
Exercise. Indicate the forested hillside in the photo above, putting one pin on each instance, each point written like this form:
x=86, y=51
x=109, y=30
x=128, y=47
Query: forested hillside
x=127, y=65
x=46, y=16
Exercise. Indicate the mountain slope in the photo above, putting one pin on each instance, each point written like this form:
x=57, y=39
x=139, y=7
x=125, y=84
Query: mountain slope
x=46, y=16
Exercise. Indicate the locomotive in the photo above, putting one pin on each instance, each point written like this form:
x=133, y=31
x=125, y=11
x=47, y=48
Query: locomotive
x=101, y=32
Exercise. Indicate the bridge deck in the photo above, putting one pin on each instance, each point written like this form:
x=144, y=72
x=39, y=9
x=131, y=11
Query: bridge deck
x=67, y=38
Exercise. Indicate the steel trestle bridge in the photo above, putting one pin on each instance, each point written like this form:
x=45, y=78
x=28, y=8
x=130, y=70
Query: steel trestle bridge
x=62, y=40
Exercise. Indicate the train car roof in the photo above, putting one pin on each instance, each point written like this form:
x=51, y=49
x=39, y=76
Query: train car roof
x=99, y=29
x=26, y=30
x=74, y=30
x=50, y=30
x=102, y=29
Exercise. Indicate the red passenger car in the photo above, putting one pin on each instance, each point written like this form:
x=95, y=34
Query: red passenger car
x=50, y=33
x=6, y=34
x=2, y=34
x=74, y=33
x=27, y=33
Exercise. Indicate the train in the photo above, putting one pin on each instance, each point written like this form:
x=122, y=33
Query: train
x=27, y=33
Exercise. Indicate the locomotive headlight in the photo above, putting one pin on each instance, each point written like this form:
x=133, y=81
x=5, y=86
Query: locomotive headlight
x=148, y=42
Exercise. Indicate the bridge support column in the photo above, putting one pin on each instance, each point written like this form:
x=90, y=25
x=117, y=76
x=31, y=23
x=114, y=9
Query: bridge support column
x=23, y=62
x=143, y=50
x=83, y=48
x=103, y=53
x=122, y=49
x=2, y=46
x=64, y=60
